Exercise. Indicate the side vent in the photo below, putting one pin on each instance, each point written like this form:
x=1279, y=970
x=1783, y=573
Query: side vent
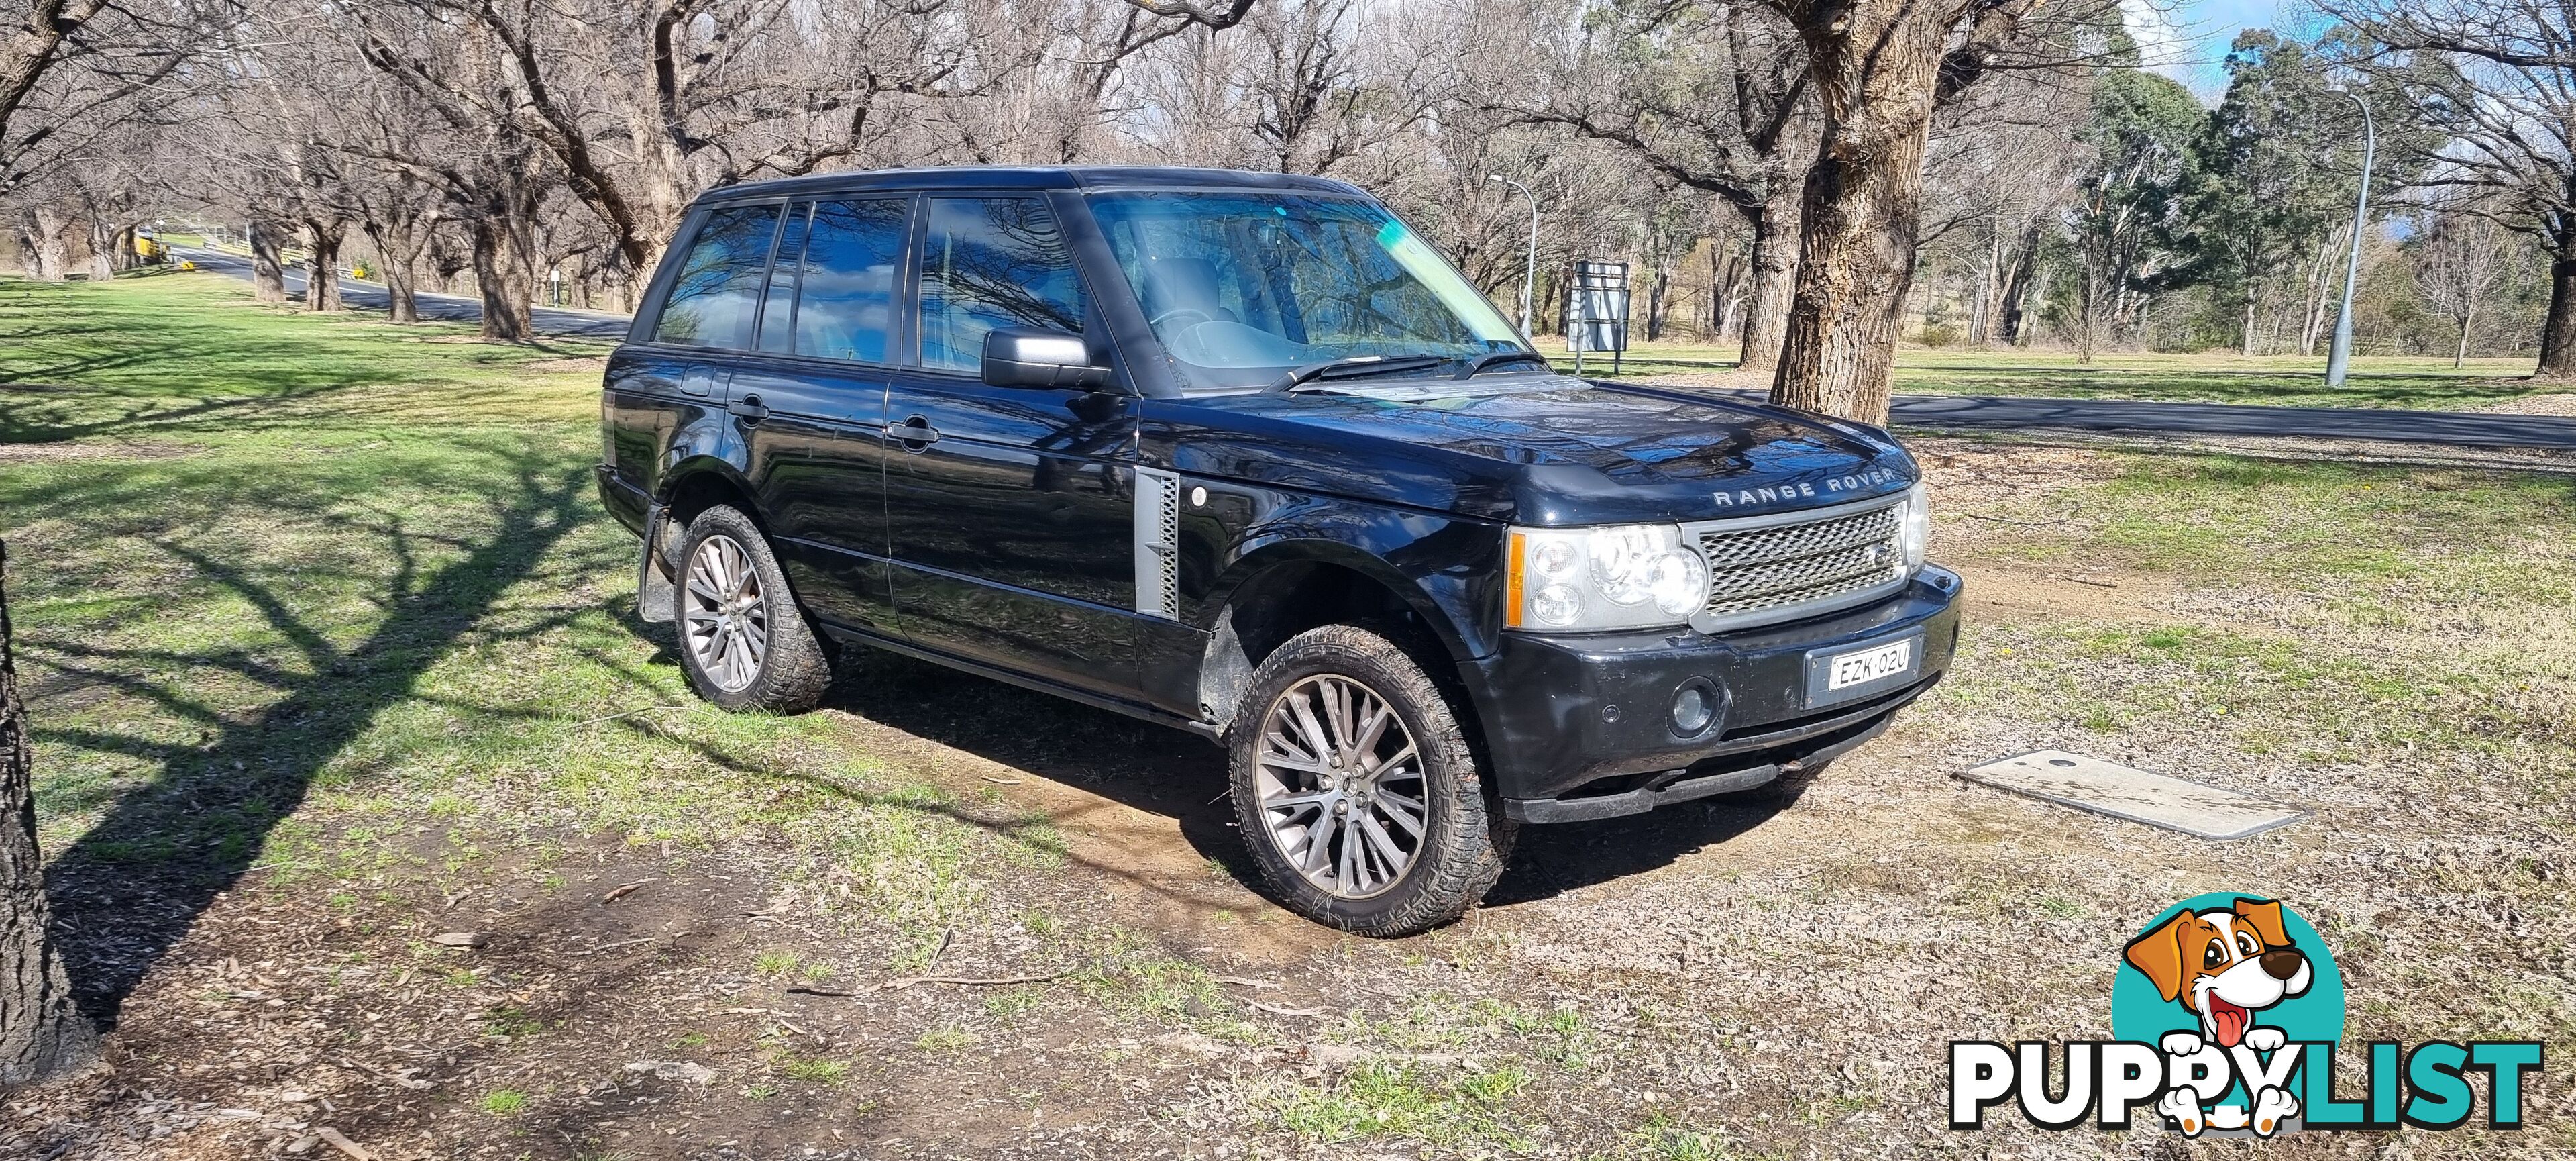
x=1158, y=543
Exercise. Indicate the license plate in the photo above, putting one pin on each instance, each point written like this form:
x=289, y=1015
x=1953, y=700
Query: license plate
x=1858, y=671
x=1862, y=666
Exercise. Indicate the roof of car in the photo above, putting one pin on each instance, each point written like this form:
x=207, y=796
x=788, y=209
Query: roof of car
x=1086, y=177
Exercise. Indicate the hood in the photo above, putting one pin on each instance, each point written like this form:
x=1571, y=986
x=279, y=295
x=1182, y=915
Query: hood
x=1557, y=451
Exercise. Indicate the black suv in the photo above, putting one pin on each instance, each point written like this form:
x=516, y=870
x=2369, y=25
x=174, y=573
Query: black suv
x=1241, y=454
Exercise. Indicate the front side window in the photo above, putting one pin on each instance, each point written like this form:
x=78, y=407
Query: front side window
x=989, y=263
x=847, y=307
x=1239, y=287
x=718, y=289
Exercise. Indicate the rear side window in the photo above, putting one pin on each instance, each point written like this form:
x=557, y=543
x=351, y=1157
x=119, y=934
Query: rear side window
x=717, y=292
x=988, y=263
x=847, y=306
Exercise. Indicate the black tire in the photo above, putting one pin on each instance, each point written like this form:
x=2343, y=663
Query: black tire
x=789, y=673
x=1463, y=838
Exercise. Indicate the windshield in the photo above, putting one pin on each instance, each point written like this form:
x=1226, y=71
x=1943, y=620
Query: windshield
x=1239, y=287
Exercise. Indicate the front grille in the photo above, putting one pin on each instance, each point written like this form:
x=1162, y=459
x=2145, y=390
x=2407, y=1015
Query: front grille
x=1779, y=569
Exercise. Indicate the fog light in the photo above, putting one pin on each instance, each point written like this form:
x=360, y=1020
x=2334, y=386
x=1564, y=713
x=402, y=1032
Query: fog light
x=1694, y=708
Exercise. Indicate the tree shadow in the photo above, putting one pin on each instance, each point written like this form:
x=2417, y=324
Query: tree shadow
x=133, y=885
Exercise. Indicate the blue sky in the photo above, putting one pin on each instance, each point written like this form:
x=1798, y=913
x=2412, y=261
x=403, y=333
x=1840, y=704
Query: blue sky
x=2186, y=39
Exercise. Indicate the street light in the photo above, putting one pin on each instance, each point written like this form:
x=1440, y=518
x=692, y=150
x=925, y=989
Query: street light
x=2339, y=357
x=1529, y=279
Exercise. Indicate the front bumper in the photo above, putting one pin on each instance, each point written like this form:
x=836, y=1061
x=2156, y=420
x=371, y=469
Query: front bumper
x=1580, y=726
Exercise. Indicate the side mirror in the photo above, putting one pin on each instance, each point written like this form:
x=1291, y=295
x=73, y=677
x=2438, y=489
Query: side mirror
x=1019, y=357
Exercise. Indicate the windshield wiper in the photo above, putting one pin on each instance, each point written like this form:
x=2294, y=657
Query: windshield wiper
x=1351, y=368
x=1499, y=358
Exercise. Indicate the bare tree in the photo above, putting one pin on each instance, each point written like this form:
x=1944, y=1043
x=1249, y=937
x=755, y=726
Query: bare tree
x=2500, y=76
x=1712, y=97
x=2461, y=257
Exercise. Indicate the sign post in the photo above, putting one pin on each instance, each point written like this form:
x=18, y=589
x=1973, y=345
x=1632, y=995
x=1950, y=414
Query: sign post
x=1596, y=311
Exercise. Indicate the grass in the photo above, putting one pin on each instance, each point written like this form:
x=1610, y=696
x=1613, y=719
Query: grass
x=1383, y=1100
x=2428, y=384
x=290, y=587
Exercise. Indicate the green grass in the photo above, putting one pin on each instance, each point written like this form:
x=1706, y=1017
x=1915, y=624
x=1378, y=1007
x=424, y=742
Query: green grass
x=2394, y=541
x=291, y=589
x=1405, y=1101
x=2428, y=384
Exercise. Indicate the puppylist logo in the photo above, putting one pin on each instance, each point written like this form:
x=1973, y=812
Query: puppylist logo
x=2227, y=1015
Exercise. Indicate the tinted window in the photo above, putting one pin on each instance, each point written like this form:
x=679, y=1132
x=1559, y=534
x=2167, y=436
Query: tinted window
x=989, y=263
x=718, y=287
x=778, y=309
x=848, y=304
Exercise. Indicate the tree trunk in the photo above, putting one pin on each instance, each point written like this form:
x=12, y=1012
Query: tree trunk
x=102, y=251
x=402, y=298
x=2012, y=297
x=2249, y=319
x=1774, y=275
x=267, y=272
x=2558, y=332
x=1860, y=213
x=322, y=266
x=503, y=275
x=41, y=1031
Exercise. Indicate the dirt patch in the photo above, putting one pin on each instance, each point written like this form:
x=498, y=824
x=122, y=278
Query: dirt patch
x=565, y=366
x=2549, y=403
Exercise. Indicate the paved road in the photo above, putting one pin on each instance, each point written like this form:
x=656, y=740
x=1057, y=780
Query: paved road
x=1930, y=412
x=2458, y=428
x=443, y=307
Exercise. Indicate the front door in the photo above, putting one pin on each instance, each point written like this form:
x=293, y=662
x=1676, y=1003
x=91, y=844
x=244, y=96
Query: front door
x=1009, y=510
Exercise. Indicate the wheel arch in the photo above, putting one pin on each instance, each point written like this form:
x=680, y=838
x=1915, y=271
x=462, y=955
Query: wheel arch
x=1287, y=588
x=702, y=482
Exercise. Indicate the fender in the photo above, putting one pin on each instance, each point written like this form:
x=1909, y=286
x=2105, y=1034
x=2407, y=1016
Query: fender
x=1452, y=591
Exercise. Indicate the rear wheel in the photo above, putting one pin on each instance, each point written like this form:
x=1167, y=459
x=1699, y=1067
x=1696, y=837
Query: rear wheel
x=743, y=642
x=1356, y=789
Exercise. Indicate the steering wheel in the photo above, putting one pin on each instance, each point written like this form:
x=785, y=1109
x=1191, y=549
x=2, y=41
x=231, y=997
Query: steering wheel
x=1156, y=322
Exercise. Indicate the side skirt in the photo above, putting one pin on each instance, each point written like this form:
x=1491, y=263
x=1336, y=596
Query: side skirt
x=1136, y=710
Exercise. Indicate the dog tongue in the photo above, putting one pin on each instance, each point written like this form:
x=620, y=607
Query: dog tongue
x=2229, y=1020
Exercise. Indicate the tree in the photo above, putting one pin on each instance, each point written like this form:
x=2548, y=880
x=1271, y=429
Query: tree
x=2461, y=258
x=1711, y=96
x=42, y=1032
x=2499, y=77
x=1880, y=69
x=2273, y=180
x=2141, y=135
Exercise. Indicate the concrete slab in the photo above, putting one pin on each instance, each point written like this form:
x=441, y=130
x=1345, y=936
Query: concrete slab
x=2107, y=788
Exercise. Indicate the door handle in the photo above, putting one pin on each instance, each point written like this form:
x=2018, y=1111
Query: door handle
x=915, y=433
x=748, y=408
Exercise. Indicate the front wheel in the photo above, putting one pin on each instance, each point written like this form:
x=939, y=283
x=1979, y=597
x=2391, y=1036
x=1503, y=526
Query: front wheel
x=1356, y=790
x=743, y=642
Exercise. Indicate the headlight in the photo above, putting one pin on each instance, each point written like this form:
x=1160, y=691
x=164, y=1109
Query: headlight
x=1915, y=534
x=1625, y=576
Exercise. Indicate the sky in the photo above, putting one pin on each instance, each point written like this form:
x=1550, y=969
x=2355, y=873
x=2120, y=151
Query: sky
x=2187, y=39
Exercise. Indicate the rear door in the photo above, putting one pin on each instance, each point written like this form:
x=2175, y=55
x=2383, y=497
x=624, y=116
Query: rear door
x=667, y=388
x=810, y=398
x=1010, y=510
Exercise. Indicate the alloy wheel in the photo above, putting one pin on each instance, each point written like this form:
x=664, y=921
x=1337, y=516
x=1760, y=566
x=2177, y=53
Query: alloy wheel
x=725, y=613
x=1341, y=783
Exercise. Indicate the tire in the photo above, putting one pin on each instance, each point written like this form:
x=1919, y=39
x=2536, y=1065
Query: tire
x=743, y=641
x=1284, y=791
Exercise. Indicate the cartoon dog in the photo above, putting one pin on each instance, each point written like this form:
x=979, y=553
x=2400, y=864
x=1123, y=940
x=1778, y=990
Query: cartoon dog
x=2224, y=966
